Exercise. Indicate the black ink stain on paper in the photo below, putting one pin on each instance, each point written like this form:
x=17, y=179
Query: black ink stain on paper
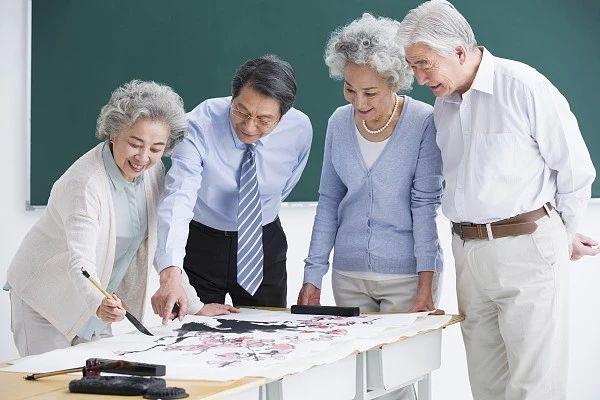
x=235, y=326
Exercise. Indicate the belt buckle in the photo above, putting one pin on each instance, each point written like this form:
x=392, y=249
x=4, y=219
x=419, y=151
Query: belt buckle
x=546, y=208
x=461, y=225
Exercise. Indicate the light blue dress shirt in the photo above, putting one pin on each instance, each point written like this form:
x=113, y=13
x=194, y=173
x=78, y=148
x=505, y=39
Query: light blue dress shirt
x=202, y=183
x=131, y=219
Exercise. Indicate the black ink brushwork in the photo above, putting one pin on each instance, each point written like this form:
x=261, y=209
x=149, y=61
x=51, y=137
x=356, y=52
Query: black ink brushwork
x=235, y=326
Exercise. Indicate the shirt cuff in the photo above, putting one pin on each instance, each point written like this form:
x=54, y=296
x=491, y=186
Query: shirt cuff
x=164, y=261
x=313, y=277
x=429, y=263
x=194, y=307
x=570, y=236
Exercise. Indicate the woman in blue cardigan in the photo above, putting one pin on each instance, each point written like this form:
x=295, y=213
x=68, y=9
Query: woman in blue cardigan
x=381, y=181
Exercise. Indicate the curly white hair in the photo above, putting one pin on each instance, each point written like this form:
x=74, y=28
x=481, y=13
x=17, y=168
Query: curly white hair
x=372, y=41
x=140, y=99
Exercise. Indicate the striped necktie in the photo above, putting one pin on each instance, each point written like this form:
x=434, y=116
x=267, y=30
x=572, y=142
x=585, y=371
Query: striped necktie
x=250, y=248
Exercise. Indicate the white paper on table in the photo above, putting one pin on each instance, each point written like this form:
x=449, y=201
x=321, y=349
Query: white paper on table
x=301, y=341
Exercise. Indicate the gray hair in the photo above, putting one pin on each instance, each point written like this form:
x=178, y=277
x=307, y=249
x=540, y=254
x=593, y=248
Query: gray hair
x=370, y=41
x=439, y=25
x=269, y=75
x=139, y=99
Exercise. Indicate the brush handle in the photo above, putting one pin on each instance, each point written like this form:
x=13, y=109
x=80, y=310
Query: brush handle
x=96, y=283
x=100, y=288
x=37, y=376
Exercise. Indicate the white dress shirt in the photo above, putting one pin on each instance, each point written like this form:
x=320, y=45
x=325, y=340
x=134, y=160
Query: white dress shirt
x=510, y=144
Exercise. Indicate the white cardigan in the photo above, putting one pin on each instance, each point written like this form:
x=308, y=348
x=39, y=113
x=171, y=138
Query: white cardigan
x=77, y=230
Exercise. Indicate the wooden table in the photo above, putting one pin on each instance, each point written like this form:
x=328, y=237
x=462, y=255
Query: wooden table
x=14, y=387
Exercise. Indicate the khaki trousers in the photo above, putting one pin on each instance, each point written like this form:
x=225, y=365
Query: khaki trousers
x=389, y=296
x=513, y=294
x=392, y=295
x=33, y=334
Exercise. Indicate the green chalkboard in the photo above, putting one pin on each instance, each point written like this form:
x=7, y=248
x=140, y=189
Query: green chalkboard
x=82, y=49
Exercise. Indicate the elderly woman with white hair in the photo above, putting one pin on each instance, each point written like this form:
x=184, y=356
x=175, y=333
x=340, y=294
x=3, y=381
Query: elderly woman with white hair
x=101, y=217
x=380, y=183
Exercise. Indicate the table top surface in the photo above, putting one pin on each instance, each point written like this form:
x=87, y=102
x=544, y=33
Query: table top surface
x=56, y=387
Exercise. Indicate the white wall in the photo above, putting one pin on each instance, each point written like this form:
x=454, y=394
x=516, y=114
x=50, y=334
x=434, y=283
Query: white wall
x=15, y=220
x=450, y=382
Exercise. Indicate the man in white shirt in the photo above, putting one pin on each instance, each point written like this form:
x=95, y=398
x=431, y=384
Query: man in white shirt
x=518, y=178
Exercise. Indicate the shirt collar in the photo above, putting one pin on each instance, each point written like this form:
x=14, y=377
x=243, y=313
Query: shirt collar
x=114, y=174
x=484, y=78
x=483, y=81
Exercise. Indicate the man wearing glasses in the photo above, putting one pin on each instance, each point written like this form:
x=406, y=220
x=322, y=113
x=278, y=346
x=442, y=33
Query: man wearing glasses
x=217, y=216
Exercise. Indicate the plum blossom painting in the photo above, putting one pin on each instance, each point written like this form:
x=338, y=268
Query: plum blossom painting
x=252, y=343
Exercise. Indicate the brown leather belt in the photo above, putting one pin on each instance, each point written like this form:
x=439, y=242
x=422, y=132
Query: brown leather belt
x=521, y=224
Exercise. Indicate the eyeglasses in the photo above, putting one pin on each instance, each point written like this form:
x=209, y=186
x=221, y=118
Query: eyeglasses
x=262, y=123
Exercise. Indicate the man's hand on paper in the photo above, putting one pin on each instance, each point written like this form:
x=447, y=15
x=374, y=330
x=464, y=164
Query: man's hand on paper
x=213, y=309
x=168, y=294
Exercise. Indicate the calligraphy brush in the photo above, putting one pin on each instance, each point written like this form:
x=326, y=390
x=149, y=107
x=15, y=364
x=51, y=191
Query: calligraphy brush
x=94, y=366
x=138, y=325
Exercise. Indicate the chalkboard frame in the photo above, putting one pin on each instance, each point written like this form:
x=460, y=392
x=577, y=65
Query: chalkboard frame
x=28, y=44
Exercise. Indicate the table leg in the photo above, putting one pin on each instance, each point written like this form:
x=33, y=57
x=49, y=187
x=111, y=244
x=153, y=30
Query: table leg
x=361, y=376
x=425, y=388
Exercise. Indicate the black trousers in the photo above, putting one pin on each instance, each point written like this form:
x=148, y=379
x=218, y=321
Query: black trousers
x=211, y=264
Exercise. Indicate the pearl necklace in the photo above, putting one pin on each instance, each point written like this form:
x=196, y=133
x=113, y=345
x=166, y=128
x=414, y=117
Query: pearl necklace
x=364, y=124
